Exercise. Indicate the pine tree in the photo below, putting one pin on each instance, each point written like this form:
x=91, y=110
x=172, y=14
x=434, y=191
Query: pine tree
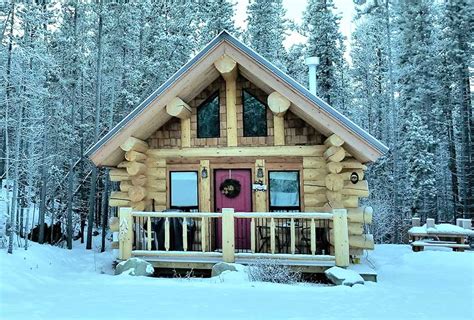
x=266, y=30
x=321, y=25
x=418, y=86
x=214, y=17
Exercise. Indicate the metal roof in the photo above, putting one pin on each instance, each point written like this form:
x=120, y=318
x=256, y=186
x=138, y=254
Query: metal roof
x=225, y=36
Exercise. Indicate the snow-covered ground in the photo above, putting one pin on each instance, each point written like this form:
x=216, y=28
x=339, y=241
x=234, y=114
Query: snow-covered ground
x=50, y=283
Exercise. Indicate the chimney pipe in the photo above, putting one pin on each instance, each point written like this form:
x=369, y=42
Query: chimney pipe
x=312, y=63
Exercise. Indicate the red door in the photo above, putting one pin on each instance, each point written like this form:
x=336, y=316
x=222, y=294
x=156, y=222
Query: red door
x=241, y=203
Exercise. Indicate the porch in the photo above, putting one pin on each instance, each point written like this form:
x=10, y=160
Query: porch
x=309, y=241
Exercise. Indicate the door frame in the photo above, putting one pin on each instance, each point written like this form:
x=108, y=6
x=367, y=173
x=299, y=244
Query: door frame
x=213, y=169
x=214, y=187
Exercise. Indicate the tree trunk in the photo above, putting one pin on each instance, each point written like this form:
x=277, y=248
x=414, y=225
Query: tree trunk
x=98, y=93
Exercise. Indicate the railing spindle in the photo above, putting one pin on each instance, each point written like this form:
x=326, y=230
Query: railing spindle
x=272, y=235
x=313, y=237
x=252, y=235
x=148, y=230
x=293, y=236
x=167, y=234
x=185, y=235
x=203, y=233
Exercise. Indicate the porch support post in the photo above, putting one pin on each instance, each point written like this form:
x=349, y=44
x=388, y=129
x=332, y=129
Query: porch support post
x=341, y=237
x=228, y=245
x=125, y=233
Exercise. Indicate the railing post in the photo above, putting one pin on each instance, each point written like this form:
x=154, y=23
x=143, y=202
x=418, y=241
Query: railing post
x=228, y=238
x=341, y=237
x=125, y=233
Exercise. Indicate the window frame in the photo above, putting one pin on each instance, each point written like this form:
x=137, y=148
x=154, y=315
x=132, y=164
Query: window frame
x=284, y=208
x=244, y=91
x=211, y=97
x=184, y=208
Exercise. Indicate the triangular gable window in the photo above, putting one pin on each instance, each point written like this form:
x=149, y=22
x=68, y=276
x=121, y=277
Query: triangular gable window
x=255, y=116
x=208, y=122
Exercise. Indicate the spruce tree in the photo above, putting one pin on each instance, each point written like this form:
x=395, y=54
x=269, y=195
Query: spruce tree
x=321, y=26
x=266, y=30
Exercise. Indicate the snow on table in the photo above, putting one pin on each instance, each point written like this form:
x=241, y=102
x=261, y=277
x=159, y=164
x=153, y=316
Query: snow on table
x=46, y=282
x=443, y=228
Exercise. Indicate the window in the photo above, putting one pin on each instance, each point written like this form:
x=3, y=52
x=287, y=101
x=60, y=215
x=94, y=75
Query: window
x=184, y=190
x=284, y=190
x=208, y=118
x=255, y=116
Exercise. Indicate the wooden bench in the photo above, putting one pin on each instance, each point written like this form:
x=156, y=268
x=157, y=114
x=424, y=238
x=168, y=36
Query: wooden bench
x=420, y=245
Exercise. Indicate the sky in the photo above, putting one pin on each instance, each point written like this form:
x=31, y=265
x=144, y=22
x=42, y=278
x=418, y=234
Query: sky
x=294, y=12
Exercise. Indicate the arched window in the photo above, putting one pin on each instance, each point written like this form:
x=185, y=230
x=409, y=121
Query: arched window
x=255, y=116
x=208, y=123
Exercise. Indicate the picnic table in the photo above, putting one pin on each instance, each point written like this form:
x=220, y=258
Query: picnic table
x=439, y=235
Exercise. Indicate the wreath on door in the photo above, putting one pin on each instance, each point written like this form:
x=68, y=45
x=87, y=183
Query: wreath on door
x=230, y=188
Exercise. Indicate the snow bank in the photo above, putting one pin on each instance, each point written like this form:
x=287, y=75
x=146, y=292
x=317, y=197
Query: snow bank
x=51, y=283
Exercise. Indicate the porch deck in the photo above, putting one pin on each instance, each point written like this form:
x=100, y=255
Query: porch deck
x=139, y=239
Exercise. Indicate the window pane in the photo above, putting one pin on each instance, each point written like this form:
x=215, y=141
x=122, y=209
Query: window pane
x=208, y=118
x=184, y=186
x=284, y=189
x=255, y=116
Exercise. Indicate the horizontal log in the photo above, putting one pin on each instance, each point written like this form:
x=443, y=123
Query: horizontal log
x=156, y=173
x=134, y=144
x=159, y=197
x=118, y=175
x=353, y=164
x=360, y=214
x=334, y=167
x=334, y=182
x=123, y=164
x=333, y=196
x=156, y=185
x=136, y=193
x=335, y=154
x=282, y=151
x=139, y=180
x=355, y=192
x=324, y=208
x=114, y=224
x=315, y=200
x=346, y=175
x=350, y=202
x=309, y=189
x=278, y=104
x=315, y=183
x=151, y=162
x=360, y=185
x=125, y=185
x=226, y=66
x=334, y=141
x=119, y=195
x=136, y=168
x=138, y=206
x=178, y=108
x=314, y=163
x=118, y=203
x=365, y=241
x=135, y=156
x=314, y=174
x=353, y=228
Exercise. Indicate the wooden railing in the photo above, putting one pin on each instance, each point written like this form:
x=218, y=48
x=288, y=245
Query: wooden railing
x=140, y=223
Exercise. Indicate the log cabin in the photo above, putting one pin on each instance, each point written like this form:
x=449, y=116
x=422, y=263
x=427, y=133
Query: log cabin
x=233, y=160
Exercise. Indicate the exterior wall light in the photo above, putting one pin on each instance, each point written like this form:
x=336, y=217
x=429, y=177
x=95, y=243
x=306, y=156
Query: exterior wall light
x=204, y=174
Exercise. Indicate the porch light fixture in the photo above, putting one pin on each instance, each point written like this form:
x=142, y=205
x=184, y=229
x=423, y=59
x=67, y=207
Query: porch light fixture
x=260, y=172
x=204, y=173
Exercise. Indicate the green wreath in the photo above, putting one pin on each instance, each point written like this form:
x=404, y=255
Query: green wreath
x=230, y=188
